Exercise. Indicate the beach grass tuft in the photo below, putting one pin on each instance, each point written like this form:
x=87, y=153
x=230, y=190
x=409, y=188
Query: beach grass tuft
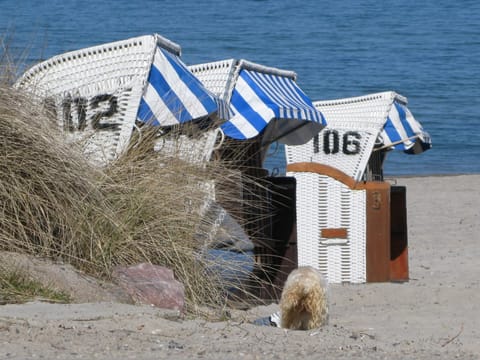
x=16, y=286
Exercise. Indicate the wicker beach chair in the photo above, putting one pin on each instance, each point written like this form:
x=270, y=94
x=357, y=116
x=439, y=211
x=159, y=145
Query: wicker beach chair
x=267, y=106
x=98, y=93
x=337, y=201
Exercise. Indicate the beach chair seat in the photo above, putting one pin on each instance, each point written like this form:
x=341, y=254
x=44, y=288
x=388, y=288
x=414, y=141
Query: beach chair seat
x=330, y=225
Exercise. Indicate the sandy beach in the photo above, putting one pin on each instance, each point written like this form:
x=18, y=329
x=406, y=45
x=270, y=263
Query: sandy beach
x=434, y=315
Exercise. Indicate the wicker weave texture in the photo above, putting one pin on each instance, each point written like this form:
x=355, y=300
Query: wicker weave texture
x=325, y=203
x=351, y=120
x=195, y=149
x=103, y=84
x=368, y=111
x=115, y=63
x=216, y=76
x=353, y=165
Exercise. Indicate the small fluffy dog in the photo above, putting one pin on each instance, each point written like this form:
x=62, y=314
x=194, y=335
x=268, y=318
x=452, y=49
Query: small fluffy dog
x=303, y=304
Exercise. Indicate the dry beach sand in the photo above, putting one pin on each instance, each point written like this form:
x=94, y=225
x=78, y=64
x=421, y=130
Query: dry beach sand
x=434, y=315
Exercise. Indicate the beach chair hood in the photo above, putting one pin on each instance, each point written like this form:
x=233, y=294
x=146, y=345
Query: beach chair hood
x=173, y=95
x=268, y=100
x=263, y=100
x=359, y=127
x=388, y=116
x=402, y=131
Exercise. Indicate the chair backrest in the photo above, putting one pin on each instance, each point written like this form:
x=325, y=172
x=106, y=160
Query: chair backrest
x=217, y=76
x=348, y=140
x=196, y=148
x=95, y=92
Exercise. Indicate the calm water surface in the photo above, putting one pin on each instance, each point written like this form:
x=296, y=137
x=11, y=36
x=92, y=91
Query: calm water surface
x=428, y=51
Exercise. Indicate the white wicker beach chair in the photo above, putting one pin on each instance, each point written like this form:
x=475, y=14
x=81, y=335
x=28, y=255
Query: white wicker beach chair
x=267, y=106
x=98, y=93
x=332, y=199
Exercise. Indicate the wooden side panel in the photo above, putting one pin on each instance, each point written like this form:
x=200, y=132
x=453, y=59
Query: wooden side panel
x=288, y=264
x=378, y=232
x=399, y=235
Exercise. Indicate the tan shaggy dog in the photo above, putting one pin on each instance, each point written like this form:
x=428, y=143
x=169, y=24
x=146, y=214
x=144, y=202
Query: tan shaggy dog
x=303, y=304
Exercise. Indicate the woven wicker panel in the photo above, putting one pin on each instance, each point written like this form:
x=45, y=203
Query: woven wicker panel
x=216, y=76
x=96, y=92
x=325, y=203
x=196, y=149
x=348, y=140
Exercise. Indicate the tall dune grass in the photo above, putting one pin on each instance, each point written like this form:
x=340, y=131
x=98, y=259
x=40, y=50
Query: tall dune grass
x=144, y=207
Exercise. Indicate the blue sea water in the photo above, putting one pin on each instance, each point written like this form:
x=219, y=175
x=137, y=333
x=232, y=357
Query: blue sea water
x=428, y=51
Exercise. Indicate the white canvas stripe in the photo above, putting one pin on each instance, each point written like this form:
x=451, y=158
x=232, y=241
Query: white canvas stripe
x=252, y=98
x=414, y=124
x=192, y=104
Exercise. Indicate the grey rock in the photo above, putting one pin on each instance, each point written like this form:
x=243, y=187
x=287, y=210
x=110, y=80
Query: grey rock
x=151, y=284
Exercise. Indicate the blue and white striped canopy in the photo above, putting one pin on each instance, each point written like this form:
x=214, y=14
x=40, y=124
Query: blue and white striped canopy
x=173, y=95
x=272, y=104
x=403, y=132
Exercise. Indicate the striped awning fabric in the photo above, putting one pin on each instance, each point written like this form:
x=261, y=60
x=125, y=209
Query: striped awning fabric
x=273, y=104
x=403, y=132
x=173, y=95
